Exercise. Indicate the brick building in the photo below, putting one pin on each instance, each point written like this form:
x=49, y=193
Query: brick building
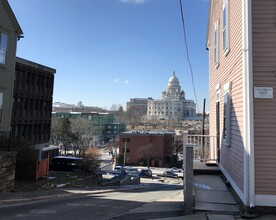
x=153, y=148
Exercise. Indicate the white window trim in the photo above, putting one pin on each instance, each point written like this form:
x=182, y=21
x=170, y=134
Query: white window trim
x=216, y=44
x=227, y=114
x=217, y=88
x=225, y=28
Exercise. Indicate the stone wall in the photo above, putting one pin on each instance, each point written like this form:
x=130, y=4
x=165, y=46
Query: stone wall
x=7, y=170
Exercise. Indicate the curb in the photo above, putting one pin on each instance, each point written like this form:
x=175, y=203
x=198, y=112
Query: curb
x=62, y=195
x=31, y=199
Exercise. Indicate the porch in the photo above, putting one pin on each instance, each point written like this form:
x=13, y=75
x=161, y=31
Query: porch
x=205, y=159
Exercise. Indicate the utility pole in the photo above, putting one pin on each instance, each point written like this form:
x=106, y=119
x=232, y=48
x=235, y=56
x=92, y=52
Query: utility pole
x=125, y=140
x=203, y=117
x=202, y=132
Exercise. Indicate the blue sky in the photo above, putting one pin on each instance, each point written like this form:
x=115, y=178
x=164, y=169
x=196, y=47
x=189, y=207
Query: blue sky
x=108, y=51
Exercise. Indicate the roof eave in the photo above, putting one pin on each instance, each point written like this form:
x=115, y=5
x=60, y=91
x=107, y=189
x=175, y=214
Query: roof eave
x=209, y=25
x=14, y=21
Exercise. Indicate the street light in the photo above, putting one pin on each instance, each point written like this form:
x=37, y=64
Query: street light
x=125, y=140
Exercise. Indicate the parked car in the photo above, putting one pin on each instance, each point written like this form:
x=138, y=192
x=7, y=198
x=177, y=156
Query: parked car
x=66, y=163
x=169, y=173
x=118, y=168
x=132, y=171
x=175, y=169
x=145, y=172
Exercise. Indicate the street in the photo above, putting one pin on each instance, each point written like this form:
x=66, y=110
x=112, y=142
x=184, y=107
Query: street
x=100, y=206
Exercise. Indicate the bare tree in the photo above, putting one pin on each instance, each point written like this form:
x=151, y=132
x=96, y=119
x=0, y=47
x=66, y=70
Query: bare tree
x=133, y=116
x=61, y=132
x=146, y=153
x=177, y=144
x=115, y=107
x=119, y=113
x=83, y=132
x=77, y=133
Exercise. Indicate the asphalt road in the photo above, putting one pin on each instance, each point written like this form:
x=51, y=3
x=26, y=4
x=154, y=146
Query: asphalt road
x=102, y=206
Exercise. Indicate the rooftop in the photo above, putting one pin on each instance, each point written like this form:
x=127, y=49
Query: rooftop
x=150, y=132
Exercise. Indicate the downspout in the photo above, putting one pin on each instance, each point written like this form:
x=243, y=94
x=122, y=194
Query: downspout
x=249, y=162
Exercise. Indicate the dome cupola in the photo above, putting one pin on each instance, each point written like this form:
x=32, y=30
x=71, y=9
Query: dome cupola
x=173, y=81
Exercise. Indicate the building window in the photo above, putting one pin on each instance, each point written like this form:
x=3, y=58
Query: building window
x=216, y=52
x=225, y=28
x=227, y=114
x=3, y=47
x=1, y=105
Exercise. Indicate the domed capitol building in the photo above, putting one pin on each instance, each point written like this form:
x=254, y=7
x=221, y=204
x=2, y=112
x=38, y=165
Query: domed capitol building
x=173, y=104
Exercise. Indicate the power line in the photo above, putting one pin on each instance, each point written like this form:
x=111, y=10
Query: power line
x=187, y=52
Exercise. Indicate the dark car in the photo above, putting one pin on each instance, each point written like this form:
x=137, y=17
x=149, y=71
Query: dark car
x=66, y=163
x=145, y=173
x=169, y=173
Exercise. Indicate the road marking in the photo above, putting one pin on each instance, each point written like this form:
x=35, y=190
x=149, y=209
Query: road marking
x=43, y=211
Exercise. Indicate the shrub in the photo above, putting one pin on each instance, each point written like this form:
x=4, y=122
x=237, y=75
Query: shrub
x=91, y=159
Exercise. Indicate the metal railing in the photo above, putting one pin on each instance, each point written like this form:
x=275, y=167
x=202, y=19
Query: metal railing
x=204, y=147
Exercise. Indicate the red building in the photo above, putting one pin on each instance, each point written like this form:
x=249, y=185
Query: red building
x=152, y=148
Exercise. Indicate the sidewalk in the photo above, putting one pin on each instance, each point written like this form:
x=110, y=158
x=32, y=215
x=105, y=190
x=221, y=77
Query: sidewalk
x=213, y=201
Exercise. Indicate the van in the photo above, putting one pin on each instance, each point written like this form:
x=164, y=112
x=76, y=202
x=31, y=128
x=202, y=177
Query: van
x=66, y=163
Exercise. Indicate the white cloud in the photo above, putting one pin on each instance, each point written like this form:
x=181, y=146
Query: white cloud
x=116, y=80
x=120, y=81
x=133, y=1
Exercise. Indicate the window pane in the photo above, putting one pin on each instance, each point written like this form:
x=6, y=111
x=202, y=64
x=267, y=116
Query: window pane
x=224, y=18
x=3, y=47
x=225, y=46
x=225, y=28
x=2, y=56
x=216, y=46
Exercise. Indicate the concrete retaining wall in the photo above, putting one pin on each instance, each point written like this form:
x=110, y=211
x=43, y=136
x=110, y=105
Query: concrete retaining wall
x=7, y=170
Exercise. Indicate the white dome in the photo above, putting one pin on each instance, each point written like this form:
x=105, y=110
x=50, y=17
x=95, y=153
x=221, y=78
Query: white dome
x=173, y=81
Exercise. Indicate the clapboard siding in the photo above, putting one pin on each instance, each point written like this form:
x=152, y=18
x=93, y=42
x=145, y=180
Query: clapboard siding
x=229, y=70
x=7, y=70
x=264, y=59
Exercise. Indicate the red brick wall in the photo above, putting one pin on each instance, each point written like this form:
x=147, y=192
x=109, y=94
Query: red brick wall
x=155, y=147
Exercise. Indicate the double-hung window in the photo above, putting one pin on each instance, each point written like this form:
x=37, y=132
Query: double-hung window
x=3, y=47
x=225, y=27
x=227, y=113
x=216, y=52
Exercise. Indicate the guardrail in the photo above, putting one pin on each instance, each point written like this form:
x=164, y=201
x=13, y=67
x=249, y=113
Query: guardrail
x=204, y=147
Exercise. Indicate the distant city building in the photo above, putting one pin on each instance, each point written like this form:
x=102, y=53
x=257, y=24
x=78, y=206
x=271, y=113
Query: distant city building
x=63, y=107
x=173, y=104
x=105, y=124
x=138, y=104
